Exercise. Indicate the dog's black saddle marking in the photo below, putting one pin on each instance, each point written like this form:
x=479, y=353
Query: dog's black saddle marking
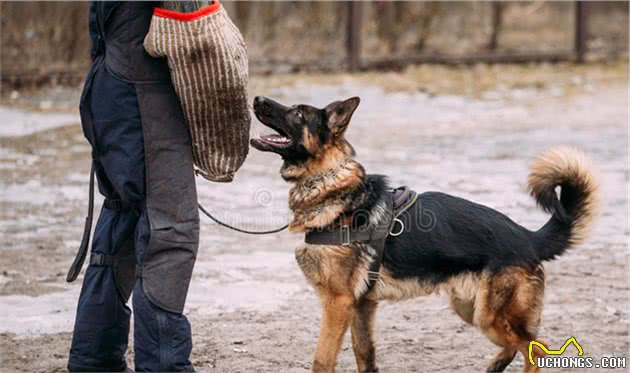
x=397, y=202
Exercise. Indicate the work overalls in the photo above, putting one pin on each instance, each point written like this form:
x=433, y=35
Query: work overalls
x=146, y=236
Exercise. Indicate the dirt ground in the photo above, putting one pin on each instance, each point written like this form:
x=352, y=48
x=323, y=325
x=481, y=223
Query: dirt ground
x=469, y=132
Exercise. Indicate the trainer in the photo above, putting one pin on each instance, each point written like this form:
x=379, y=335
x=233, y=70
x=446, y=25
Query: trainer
x=146, y=236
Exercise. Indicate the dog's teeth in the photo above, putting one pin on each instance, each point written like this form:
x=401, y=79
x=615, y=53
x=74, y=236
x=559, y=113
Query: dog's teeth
x=277, y=139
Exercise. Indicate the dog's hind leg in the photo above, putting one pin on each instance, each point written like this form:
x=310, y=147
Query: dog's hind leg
x=507, y=310
x=465, y=309
x=338, y=310
x=363, y=335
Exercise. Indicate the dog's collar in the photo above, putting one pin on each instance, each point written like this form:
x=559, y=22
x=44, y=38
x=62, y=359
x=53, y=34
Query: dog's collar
x=397, y=202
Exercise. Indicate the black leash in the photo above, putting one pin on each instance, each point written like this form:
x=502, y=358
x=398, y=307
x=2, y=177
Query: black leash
x=79, y=259
x=81, y=255
x=276, y=230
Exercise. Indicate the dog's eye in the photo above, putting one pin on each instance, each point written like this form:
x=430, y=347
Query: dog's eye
x=298, y=115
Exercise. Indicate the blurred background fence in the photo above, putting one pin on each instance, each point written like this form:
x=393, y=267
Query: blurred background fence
x=47, y=42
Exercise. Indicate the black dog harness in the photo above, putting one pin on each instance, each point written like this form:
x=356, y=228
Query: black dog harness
x=397, y=203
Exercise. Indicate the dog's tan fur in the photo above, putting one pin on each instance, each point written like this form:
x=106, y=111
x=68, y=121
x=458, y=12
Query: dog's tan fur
x=321, y=186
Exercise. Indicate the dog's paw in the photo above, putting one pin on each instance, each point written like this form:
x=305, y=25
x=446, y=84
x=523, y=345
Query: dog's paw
x=373, y=370
x=498, y=366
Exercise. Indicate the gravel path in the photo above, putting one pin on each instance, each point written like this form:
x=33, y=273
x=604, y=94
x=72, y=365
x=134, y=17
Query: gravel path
x=250, y=307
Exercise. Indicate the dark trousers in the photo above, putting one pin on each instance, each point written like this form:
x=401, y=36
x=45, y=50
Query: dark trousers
x=162, y=339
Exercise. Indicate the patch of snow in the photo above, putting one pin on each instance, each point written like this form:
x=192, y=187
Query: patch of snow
x=16, y=122
x=46, y=314
x=243, y=284
x=34, y=192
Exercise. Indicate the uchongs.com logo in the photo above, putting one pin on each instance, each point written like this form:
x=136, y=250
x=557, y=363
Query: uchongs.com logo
x=560, y=358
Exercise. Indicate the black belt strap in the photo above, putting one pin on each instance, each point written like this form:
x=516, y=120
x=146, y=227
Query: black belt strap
x=344, y=235
x=77, y=264
x=374, y=270
x=101, y=259
x=117, y=204
x=95, y=259
x=114, y=204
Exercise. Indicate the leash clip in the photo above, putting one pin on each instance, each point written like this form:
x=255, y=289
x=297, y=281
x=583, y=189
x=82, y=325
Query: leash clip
x=402, y=228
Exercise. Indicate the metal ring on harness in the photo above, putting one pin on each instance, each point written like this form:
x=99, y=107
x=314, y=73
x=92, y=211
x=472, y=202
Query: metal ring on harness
x=402, y=228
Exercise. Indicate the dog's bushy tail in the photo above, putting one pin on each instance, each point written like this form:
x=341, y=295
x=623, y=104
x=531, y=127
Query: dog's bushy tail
x=578, y=205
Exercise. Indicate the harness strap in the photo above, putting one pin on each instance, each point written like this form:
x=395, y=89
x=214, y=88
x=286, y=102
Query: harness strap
x=401, y=199
x=378, y=244
x=401, y=195
x=101, y=259
x=401, y=203
x=344, y=235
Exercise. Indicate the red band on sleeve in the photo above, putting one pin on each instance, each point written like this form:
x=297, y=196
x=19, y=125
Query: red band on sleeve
x=186, y=17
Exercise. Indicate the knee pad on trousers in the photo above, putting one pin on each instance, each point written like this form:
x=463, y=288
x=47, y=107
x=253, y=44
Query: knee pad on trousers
x=166, y=271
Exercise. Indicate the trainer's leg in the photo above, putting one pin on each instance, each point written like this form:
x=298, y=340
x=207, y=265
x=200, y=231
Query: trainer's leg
x=162, y=339
x=101, y=329
x=167, y=235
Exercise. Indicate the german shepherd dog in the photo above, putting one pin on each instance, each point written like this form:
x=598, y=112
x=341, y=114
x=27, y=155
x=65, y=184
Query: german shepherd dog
x=489, y=266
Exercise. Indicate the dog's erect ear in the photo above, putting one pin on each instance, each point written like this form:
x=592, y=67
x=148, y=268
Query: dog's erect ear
x=339, y=114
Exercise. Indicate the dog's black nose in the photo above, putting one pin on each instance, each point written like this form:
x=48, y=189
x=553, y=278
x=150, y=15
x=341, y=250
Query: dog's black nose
x=259, y=100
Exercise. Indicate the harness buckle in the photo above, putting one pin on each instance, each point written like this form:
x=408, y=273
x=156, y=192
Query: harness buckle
x=345, y=234
x=373, y=276
x=113, y=204
x=101, y=259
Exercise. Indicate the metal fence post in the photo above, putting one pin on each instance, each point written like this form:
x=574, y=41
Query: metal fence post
x=497, y=22
x=353, y=34
x=581, y=30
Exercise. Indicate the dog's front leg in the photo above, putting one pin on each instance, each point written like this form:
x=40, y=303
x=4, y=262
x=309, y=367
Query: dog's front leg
x=335, y=321
x=363, y=336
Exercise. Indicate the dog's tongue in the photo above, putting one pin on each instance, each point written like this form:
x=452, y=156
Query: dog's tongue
x=278, y=139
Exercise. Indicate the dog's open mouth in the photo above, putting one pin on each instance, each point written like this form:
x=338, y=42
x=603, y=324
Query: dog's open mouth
x=271, y=114
x=276, y=140
x=270, y=142
x=279, y=140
